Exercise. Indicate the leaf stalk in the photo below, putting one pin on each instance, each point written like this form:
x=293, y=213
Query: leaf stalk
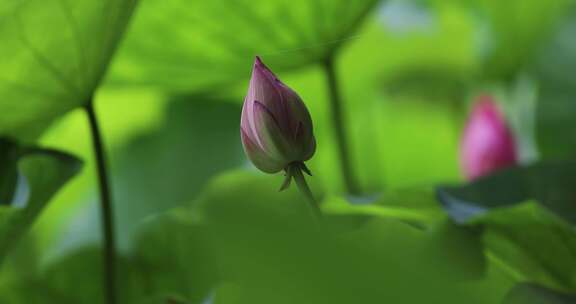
x=107, y=210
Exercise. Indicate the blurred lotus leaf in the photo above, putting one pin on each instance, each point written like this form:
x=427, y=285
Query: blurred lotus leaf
x=213, y=43
x=28, y=180
x=54, y=54
x=527, y=293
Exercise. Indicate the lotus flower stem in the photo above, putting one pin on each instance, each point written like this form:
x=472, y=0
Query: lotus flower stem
x=339, y=125
x=109, y=248
x=295, y=171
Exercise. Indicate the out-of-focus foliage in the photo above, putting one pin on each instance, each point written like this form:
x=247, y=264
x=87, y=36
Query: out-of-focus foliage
x=547, y=183
x=204, y=129
x=338, y=259
x=516, y=31
x=29, y=177
x=534, y=245
x=416, y=206
x=190, y=272
x=54, y=54
x=534, y=294
x=536, y=241
x=187, y=237
x=554, y=70
x=217, y=248
x=156, y=160
x=213, y=43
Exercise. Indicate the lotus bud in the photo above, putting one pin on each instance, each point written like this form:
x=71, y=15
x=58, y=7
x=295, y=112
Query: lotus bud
x=275, y=127
x=488, y=144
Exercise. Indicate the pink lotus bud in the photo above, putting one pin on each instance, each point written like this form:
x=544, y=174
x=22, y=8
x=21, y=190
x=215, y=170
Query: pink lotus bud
x=488, y=144
x=276, y=127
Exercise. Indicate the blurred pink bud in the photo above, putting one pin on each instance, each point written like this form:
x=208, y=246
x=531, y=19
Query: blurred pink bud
x=276, y=127
x=488, y=144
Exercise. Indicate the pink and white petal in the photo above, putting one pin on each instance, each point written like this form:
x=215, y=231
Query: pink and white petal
x=298, y=113
x=264, y=87
x=258, y=156
x=247, y=121
x=273, y=140
x=305, y=142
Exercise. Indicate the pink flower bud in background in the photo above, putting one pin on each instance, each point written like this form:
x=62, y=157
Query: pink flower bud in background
x=488, y=144
x=276, y=127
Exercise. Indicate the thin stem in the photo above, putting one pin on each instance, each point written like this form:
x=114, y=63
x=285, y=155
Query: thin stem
x=296, y=173
x=109, y=248
x=339, y=125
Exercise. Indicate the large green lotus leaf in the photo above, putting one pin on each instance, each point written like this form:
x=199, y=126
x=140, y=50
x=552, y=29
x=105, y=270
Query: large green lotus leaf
x=182, y=143
x=195, y=141
x=173, y=254
x=54, y=54
x=533, y=240
x=532, y=245
x=250, y=243
x=550, y=184
x=191, y=45
x=167, y=263
x=42, y=173
x=269, y=248
x=528, y=218
x=527, y=293
x=417, y=206
x=64, y=281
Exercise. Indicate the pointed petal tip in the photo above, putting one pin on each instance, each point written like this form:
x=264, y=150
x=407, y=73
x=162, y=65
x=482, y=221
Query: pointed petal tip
x=486, y=107
x=258, y=64
x=485, y=97
x=262, y=69
x=486, y=102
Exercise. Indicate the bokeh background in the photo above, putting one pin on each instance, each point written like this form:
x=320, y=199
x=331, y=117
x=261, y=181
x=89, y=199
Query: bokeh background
x=197, y=223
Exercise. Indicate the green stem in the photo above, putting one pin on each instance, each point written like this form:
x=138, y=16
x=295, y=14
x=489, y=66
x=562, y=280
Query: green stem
x=339, y=125
x=109, y=248
x=296, y=173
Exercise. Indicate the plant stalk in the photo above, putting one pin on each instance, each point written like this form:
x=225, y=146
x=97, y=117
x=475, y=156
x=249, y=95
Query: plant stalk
x=339, y=123
x=107, y=212
x=296, y=173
